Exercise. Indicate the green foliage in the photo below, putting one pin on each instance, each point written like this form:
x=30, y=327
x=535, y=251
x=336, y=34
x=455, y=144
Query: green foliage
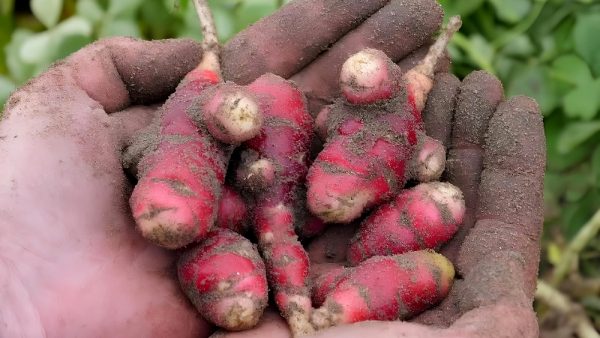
x=50, y=30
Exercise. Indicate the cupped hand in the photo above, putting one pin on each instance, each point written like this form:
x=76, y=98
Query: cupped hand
x=71, y=263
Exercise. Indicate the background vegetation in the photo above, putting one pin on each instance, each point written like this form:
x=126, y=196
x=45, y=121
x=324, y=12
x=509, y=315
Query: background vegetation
x=548, y=49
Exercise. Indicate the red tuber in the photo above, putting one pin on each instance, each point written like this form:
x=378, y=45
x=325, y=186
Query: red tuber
x=423, y=217
x=372, y=149
x=384, y=288
x=272, y=170
x=225, y=279
x=176, y=199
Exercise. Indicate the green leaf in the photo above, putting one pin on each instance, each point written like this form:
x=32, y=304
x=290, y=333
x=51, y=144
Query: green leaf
x=571, y=69
x=575, y=134
x=464, y=8
x=6, y=87
x=587, y=39
x=595, y=161
x=511, y=11
x=69, y=44
x=557, y=161
x=534, y=81
x=584, y=101
x=120, y=28
x=37, y=48
x=90, y=10
x=18, y=69
x=123, y=7
x=74, y=25
x=251, y=11
x=47, y=11
x=520, y=46
x=6, y=7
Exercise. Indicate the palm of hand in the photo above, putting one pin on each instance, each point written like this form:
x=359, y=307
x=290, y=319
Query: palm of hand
x=69, y=251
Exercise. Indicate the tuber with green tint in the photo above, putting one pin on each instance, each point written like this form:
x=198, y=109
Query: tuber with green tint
x=384, y=288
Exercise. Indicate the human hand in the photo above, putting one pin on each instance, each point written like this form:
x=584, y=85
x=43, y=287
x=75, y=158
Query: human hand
x=68, y=246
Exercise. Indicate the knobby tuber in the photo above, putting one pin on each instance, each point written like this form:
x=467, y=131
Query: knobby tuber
x=175, y=201
x=272, y=169
x=375, y=138
x=225, y=279
x=383, y=288
x=424, y=217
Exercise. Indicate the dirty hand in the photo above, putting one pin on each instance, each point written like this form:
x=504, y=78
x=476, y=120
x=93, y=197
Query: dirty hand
x=72, y=264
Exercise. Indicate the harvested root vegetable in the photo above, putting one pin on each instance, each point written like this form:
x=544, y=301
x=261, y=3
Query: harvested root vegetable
x=229, y=112
x=385, y=288
x=233, y=211
x=424, y=217
x=175, y=201
x=225, y=279
x=375, y=139
x=326, y=282
x=429, y=162
x=272, y=172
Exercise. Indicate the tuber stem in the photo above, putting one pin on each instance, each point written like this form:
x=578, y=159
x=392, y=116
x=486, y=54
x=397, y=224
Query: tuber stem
x=210, y=44
x=427, y=65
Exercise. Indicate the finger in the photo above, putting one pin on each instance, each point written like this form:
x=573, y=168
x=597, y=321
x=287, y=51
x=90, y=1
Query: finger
x=439, y=110
x=501, y=320
x=271, y=325
x=383, y=330
x=126, y=123
x=117, y=72
x=292, y=37
x=397, y=29
x=479, y=95
x=412, y=59
x=510, y=211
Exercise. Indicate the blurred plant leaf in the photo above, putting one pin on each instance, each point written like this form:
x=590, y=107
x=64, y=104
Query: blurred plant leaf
x=576, y=133
x=575, y=215
x=463, y=8
x=249, y=12
x=534, y=81
x=123, y=7
x=571, y=69
x=18, y=69
x=74, y=25
x=6, y=87
x=520, y=46
x=557, y=161
x=119, y=27
x=587, y=39
x=90, y=10
x=554, y=253
x=511, y=11
x=37, y=48
x=6, y=7
x=595, y=161
x=584, y=101
x=47, y=11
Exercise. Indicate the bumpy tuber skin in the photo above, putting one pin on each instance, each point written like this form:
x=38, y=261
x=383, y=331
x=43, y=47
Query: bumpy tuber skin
x=283, y=144
x=373, y=149
x=233, y=211
x=176, y=199
x=424, y=217
x=385, y=288
x=429, y=161
x=229, y=112
x=225, y=279
x=369, y=76
x=173, y=202
x=326, y=281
